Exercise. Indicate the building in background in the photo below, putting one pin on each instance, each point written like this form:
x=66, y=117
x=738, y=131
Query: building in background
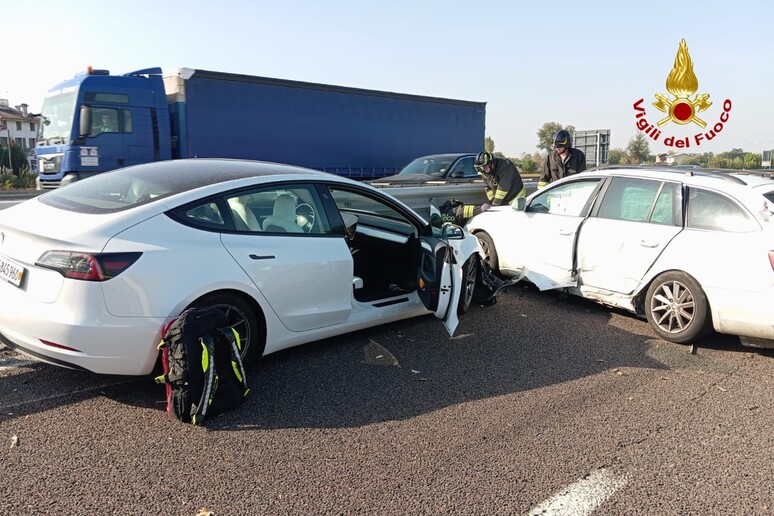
x=20, y=127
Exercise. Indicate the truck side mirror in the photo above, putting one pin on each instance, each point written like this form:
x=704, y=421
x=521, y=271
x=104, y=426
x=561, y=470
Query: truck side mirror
x=84, y=128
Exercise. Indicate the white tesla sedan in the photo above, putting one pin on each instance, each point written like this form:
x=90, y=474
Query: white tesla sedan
x=92, y=271
x=691, y=250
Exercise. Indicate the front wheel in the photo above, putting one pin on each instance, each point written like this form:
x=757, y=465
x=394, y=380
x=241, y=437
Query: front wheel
x=677, y=308
x=240, y=317
x=490, y=253
x=469, y=283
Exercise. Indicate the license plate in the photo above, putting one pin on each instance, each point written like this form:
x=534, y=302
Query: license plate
x=11, y=271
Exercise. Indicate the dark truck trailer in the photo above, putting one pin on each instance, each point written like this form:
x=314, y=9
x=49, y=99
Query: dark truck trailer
x=198, y=113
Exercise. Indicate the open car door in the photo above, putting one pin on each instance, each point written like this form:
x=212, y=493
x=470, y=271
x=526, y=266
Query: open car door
x=440, y=270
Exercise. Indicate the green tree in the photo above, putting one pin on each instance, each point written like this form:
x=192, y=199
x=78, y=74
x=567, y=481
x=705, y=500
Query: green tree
x=546, y=134
x=696, y=159
x=617, y=157
x=718, y=162
x=489, y=144
x=529, y=165
x=17, y=162
x=752, y=160
x=638, y=149
x=733, y=154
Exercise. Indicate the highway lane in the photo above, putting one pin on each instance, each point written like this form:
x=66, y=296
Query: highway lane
x=539, y=404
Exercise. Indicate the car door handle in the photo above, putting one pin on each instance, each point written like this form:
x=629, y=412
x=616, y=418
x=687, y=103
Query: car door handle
x=649, y=245
x=566, y=232
x=262, y=257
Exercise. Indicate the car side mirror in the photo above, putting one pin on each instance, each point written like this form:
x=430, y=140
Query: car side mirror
x=452, y=231
x=520, y=204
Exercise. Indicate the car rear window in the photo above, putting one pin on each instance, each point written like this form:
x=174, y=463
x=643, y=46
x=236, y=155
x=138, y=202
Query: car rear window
x=129, y=187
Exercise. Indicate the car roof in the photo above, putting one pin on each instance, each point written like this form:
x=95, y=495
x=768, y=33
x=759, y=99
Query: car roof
x=695, y=176
x=448, y=155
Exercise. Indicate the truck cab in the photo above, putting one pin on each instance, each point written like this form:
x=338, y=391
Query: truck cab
x=97, y=122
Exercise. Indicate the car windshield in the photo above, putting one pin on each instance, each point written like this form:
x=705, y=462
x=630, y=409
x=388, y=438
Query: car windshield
x=435, y=166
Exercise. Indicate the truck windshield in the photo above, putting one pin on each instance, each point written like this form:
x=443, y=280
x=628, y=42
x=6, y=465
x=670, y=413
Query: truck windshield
x=435, y=166
x=56, y=119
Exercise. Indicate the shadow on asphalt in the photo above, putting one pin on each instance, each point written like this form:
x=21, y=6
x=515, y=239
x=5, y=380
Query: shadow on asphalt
x=397, y=371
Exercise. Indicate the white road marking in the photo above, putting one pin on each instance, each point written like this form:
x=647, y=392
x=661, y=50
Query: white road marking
x=581, y=498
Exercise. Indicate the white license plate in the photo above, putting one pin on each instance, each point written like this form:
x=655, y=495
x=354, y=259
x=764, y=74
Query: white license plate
x=11, y=271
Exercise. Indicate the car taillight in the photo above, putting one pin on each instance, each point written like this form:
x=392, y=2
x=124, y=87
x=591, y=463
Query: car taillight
x=85, y=266
x=771, y=259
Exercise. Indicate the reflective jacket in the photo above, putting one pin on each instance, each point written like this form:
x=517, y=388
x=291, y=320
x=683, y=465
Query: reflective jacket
x=554, y=167
x=503, y=184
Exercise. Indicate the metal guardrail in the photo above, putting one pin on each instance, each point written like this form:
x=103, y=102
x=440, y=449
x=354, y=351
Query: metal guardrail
x=419, y=198
x=18, y=195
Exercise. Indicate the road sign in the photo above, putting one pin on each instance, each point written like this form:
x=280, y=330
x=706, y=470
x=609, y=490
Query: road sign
x=594, y=144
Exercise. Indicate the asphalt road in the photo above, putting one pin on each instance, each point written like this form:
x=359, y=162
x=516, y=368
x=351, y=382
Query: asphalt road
x=539, y=405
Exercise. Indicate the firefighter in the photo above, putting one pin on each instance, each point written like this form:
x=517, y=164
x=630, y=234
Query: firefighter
x=502, y=183
x=562, y=161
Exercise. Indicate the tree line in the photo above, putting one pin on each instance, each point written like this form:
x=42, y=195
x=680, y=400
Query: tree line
x=637, y=152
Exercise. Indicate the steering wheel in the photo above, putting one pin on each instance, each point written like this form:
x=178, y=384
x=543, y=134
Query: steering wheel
x=305, y=216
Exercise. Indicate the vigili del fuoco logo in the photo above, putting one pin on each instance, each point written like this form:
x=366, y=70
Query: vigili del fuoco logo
x=682, y=107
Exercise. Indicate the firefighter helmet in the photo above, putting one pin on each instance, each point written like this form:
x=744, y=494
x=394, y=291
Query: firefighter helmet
x=483, y=160
x=563, y=139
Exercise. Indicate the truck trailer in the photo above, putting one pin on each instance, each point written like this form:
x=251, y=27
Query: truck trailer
x=96, y=122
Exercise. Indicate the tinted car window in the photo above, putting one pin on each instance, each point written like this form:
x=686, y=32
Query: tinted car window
x=640, y=200
x=278, y=209
x=205, y=215
x=567, y=199
x=432, y=166
x=711, y=210
x=465, y=165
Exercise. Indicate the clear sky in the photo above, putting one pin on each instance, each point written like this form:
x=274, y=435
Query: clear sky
x=580, y=63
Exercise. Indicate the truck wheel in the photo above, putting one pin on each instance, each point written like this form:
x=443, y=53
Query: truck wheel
x=240, y=317
x=469, y=283
x=677, y=308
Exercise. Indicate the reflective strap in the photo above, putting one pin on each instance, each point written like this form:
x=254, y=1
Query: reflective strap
x=541, y=184
x=235, y=347
x=208, y=366
x=500, y=194
x=467, y=211
x=490, y=194
x=237, y=339
x=521, y=194
x=168, y=378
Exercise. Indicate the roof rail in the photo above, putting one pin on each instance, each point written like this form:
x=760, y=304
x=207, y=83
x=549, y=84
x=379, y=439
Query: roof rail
x=724, y=174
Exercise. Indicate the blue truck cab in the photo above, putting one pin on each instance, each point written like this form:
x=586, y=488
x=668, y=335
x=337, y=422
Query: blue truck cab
x=97, y=122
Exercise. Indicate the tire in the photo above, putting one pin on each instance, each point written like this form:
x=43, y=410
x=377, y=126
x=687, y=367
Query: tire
x=241, y=317
x=490, y=253
x=677, y=308
x=470, y=282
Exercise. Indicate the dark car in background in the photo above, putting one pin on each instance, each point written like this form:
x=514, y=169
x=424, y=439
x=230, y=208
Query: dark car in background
x=435, y=168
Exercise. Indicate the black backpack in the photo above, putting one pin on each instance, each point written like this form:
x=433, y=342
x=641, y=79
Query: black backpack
x=202, y=366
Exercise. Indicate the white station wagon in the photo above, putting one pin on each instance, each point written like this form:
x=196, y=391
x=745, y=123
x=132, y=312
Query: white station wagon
x=690, y=249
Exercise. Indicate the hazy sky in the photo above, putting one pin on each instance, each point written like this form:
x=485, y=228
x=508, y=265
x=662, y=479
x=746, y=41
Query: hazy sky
x=583, y=63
